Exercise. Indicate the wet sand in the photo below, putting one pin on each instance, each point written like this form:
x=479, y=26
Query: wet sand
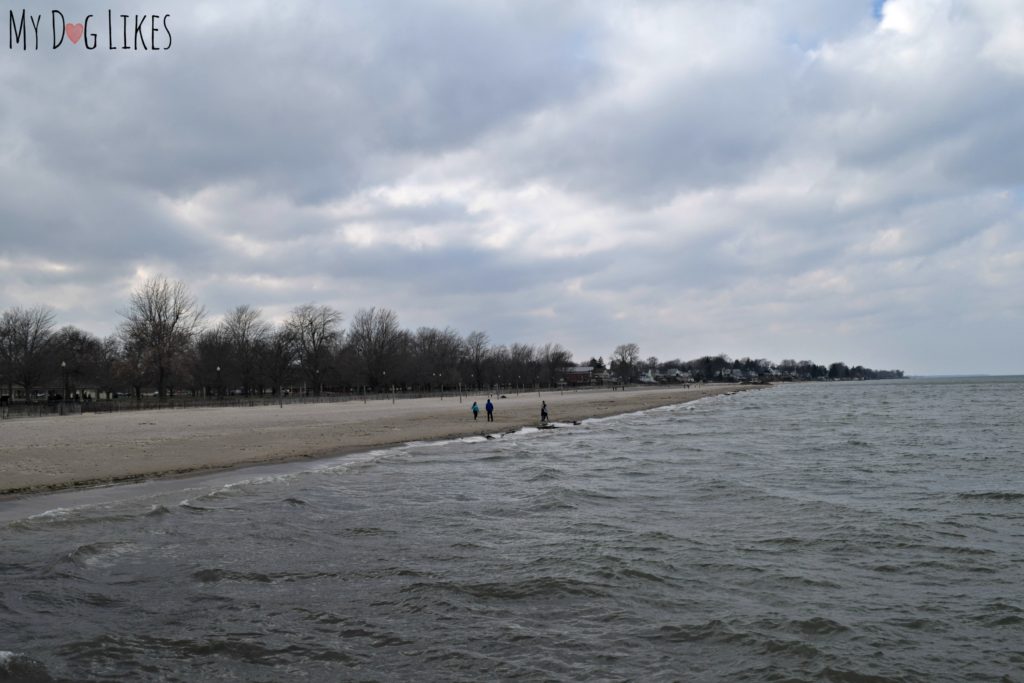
x=49, y=453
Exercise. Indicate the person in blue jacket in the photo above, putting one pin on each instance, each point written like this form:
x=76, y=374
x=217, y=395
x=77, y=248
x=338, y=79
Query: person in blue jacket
x=475, y=409
x=490, y=410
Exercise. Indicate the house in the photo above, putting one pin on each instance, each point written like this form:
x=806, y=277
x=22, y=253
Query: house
x=674, y=375
x=579, y=376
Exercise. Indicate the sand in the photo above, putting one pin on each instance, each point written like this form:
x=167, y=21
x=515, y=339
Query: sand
x=48, y=453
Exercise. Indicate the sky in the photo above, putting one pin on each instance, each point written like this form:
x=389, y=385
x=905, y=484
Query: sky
x=830, y=181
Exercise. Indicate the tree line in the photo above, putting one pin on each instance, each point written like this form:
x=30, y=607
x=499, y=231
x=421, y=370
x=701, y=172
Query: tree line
x=626, y=362
x=166, y=344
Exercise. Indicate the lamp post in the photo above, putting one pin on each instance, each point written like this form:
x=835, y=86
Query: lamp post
x=64, y=396
x=219, y=392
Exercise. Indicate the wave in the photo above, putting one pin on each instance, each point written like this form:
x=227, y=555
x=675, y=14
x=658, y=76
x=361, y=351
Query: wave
x=15, y=666
x=99, y=554
x=817, y=626
x=546, y=474
x=714, y=631
x=542, y=586
x=218, y=575
x=849, y=676
x=367, y=531
x=992, y=495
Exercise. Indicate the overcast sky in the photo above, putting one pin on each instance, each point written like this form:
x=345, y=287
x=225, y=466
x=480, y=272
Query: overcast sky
x=772, y=178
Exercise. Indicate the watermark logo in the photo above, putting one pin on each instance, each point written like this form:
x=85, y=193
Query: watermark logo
x=112, y=31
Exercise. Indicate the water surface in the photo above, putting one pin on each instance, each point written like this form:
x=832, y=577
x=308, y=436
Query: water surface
x=867, y=531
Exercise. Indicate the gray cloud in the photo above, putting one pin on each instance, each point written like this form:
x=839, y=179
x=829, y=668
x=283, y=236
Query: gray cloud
x=774, y=179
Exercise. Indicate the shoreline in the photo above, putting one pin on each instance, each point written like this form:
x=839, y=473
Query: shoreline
x=48, y=454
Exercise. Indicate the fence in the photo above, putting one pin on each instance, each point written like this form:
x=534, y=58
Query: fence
x=117, y=405
x=14, y=410
x=124, y=404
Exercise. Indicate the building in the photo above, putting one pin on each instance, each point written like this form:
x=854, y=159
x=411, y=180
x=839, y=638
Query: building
x=582, y=375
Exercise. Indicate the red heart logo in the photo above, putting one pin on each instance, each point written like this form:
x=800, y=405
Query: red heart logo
x=74, y=32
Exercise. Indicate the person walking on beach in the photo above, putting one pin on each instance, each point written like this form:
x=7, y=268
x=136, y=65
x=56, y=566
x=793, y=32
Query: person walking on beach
x=543, y=411
x=490, y=410
x=476, y=410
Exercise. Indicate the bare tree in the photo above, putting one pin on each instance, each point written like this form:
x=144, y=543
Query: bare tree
x=79, y=355
x=25, y=336
x=525, y=364
x=315, y=333
x=161, y=321
x=107, y=363
x=476, y=353
x=211, y=358
x=132, y=367
x=278, y=359
x=624, y=361
x=377, y=341
x=554, y=358
x=244, y=331
x=497, y=368
x=435, y=355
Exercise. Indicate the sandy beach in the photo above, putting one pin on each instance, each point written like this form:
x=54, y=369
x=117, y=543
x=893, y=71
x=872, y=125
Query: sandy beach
x=40, y=454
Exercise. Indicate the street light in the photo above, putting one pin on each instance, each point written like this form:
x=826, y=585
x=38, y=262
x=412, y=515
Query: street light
x=64, y=396
x=219, y=391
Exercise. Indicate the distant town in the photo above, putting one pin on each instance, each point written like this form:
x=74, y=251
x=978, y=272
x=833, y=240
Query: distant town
x=165, y=350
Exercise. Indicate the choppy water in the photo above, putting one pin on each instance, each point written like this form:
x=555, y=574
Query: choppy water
x=843, y=532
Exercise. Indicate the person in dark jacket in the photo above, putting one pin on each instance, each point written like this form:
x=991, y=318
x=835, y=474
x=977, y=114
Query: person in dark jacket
x=490, y=410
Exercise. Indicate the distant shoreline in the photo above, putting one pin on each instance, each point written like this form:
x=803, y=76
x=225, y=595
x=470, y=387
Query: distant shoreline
x=53, y=453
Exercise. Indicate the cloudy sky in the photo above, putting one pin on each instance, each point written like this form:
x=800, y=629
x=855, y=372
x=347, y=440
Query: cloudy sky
x=767, y=178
